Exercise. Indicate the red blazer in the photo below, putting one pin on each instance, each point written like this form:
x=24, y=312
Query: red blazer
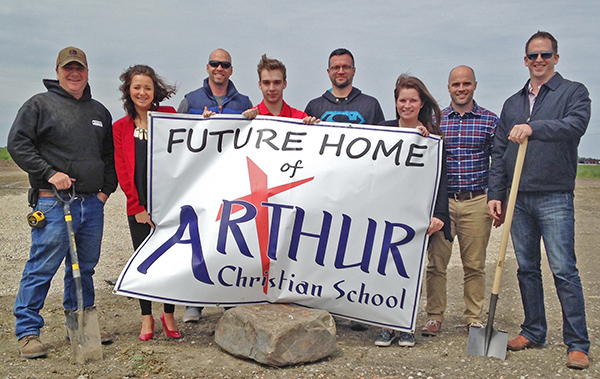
x=125, y=160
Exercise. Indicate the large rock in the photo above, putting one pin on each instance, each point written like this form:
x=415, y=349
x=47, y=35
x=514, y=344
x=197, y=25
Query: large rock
x=277, y=334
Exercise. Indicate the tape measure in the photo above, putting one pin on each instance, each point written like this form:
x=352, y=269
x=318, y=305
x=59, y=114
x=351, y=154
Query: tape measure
x=36, y=219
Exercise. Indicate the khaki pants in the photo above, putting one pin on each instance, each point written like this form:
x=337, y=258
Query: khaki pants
x=472, y=224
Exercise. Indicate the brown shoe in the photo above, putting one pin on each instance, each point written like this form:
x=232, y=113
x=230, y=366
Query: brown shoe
x=519, y=343
x=578, y=360
x=432, y=328
x=31, y=347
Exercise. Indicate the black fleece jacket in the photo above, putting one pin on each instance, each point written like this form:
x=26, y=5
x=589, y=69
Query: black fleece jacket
x=55, y=132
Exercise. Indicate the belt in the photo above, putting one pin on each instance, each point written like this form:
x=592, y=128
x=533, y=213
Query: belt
x=462, y=196
x=49, y=193
x=46, y=193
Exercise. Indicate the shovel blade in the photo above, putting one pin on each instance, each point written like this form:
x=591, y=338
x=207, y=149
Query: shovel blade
x=84, y=332
x=495, y=347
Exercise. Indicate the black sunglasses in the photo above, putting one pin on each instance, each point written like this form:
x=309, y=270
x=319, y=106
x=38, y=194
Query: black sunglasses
x=545, y=55
x=216, y=64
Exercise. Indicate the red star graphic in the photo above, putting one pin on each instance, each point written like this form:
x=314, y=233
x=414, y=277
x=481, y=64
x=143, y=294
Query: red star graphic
x=261, y=193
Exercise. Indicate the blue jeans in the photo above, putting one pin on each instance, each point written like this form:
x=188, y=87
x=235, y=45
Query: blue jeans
x=549, y=215
x=49, y=247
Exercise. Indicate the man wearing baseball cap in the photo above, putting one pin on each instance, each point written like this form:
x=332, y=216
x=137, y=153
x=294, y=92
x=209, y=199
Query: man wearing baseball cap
x=71, y=54
x=61, y=138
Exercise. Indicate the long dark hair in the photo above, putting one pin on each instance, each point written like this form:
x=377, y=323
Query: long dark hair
x=430, y=114
x=162, y=90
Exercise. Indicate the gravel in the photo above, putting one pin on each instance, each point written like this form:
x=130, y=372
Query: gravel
x=197, y=356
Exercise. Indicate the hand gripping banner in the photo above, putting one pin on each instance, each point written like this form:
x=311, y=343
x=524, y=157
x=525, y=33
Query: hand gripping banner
x=329, y=216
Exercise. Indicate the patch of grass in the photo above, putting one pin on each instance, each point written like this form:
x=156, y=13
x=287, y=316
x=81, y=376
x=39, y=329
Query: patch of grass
x=588, y=171
x=4, y=155
x=138, y=362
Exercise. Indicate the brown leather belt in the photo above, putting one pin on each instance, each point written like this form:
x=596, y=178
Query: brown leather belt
x=48, y=193
x=462, y=196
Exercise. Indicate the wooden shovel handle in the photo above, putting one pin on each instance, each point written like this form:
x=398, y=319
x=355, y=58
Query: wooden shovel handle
x=510, y=210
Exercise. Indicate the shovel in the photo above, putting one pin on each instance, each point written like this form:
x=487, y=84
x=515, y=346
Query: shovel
x=82, y=324
x=488, y=341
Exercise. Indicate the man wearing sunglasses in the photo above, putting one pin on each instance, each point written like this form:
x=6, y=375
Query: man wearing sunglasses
x=218, y=94
x=343, y=102
x=553, y=113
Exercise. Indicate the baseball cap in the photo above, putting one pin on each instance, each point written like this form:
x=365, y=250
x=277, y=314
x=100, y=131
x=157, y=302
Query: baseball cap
x=71, y=54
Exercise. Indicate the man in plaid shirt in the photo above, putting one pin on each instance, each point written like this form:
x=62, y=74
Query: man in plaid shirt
x=468, y=139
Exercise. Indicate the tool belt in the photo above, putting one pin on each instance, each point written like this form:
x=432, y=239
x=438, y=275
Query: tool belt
x=34, y=194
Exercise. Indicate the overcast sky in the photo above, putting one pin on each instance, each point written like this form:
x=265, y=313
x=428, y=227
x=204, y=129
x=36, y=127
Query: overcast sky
x=387, y=37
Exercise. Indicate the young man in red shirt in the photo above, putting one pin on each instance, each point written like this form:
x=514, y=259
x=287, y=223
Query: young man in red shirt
x=272, y=82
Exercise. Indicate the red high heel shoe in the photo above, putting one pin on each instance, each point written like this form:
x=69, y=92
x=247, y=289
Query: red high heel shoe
x=170, y=333
x=147, y=336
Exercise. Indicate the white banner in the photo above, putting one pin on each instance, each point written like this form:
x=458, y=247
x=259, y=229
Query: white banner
x=328, y=216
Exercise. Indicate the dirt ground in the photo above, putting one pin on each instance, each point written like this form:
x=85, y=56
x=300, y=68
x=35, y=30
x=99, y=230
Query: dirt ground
x=197, y=356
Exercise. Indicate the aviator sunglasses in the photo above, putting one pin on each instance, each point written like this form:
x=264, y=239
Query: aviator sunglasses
x=545, y=55
x=223, y=64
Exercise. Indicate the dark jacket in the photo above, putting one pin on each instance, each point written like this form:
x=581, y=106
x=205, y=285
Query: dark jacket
x=234, y=103
x=55, y=132
x=560, y=117
x=441, y=210
x=357, y=108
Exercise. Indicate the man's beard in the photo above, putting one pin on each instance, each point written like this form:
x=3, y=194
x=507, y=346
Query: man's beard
x=345, y=84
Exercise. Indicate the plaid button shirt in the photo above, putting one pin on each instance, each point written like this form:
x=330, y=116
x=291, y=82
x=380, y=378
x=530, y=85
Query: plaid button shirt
x=468, y=140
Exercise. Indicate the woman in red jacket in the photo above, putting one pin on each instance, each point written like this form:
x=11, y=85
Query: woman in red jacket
x=142, y=91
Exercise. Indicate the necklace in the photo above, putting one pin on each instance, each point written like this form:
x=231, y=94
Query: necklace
x=140, y=133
